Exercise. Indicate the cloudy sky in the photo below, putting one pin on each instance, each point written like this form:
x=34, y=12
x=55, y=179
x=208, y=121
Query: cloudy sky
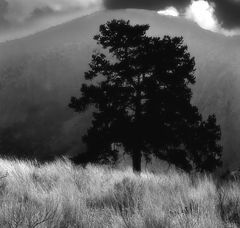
x=20, y=17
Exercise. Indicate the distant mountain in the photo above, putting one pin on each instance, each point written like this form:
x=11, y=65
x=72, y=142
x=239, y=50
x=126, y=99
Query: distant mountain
x=39, y=74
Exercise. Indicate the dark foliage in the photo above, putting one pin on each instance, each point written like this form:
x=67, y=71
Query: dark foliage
x=140, y=87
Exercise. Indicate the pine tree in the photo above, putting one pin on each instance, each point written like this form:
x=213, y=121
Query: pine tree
x=140, y=89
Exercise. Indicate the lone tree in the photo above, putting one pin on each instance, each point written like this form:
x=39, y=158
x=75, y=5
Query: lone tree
x=139, y=87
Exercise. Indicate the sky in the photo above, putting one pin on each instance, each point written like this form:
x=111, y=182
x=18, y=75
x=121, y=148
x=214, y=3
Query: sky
x=20, y=17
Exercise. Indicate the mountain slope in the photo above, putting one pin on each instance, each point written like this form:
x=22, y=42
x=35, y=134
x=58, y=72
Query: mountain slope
x=39, y=74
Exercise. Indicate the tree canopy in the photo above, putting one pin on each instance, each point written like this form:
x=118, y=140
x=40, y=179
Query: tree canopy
x=140, y=88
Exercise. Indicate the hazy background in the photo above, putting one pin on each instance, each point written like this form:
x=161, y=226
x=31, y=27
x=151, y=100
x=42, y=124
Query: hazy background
x=39, y=74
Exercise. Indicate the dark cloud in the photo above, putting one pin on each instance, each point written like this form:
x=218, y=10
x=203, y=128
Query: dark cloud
x=227, y=11
x=146, y=4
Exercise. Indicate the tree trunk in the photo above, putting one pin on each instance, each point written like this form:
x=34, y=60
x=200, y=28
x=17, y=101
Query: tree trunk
x=136, y=160
x=137, y=151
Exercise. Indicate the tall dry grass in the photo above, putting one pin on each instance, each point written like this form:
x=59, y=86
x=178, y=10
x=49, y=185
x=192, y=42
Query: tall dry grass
x=62, y=195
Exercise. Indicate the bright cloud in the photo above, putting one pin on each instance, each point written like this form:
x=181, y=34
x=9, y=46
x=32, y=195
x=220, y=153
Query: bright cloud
x=170, y=11
x=200, y=11
x=203, y=13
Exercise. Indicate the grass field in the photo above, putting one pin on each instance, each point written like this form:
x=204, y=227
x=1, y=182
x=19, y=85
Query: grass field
x=62, y=195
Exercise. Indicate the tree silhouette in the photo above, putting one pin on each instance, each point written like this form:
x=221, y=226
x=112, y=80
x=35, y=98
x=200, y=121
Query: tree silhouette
x=139, y=86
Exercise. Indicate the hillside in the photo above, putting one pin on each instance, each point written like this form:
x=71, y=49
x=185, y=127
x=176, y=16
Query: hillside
x=39, y=74
x=61, y=195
